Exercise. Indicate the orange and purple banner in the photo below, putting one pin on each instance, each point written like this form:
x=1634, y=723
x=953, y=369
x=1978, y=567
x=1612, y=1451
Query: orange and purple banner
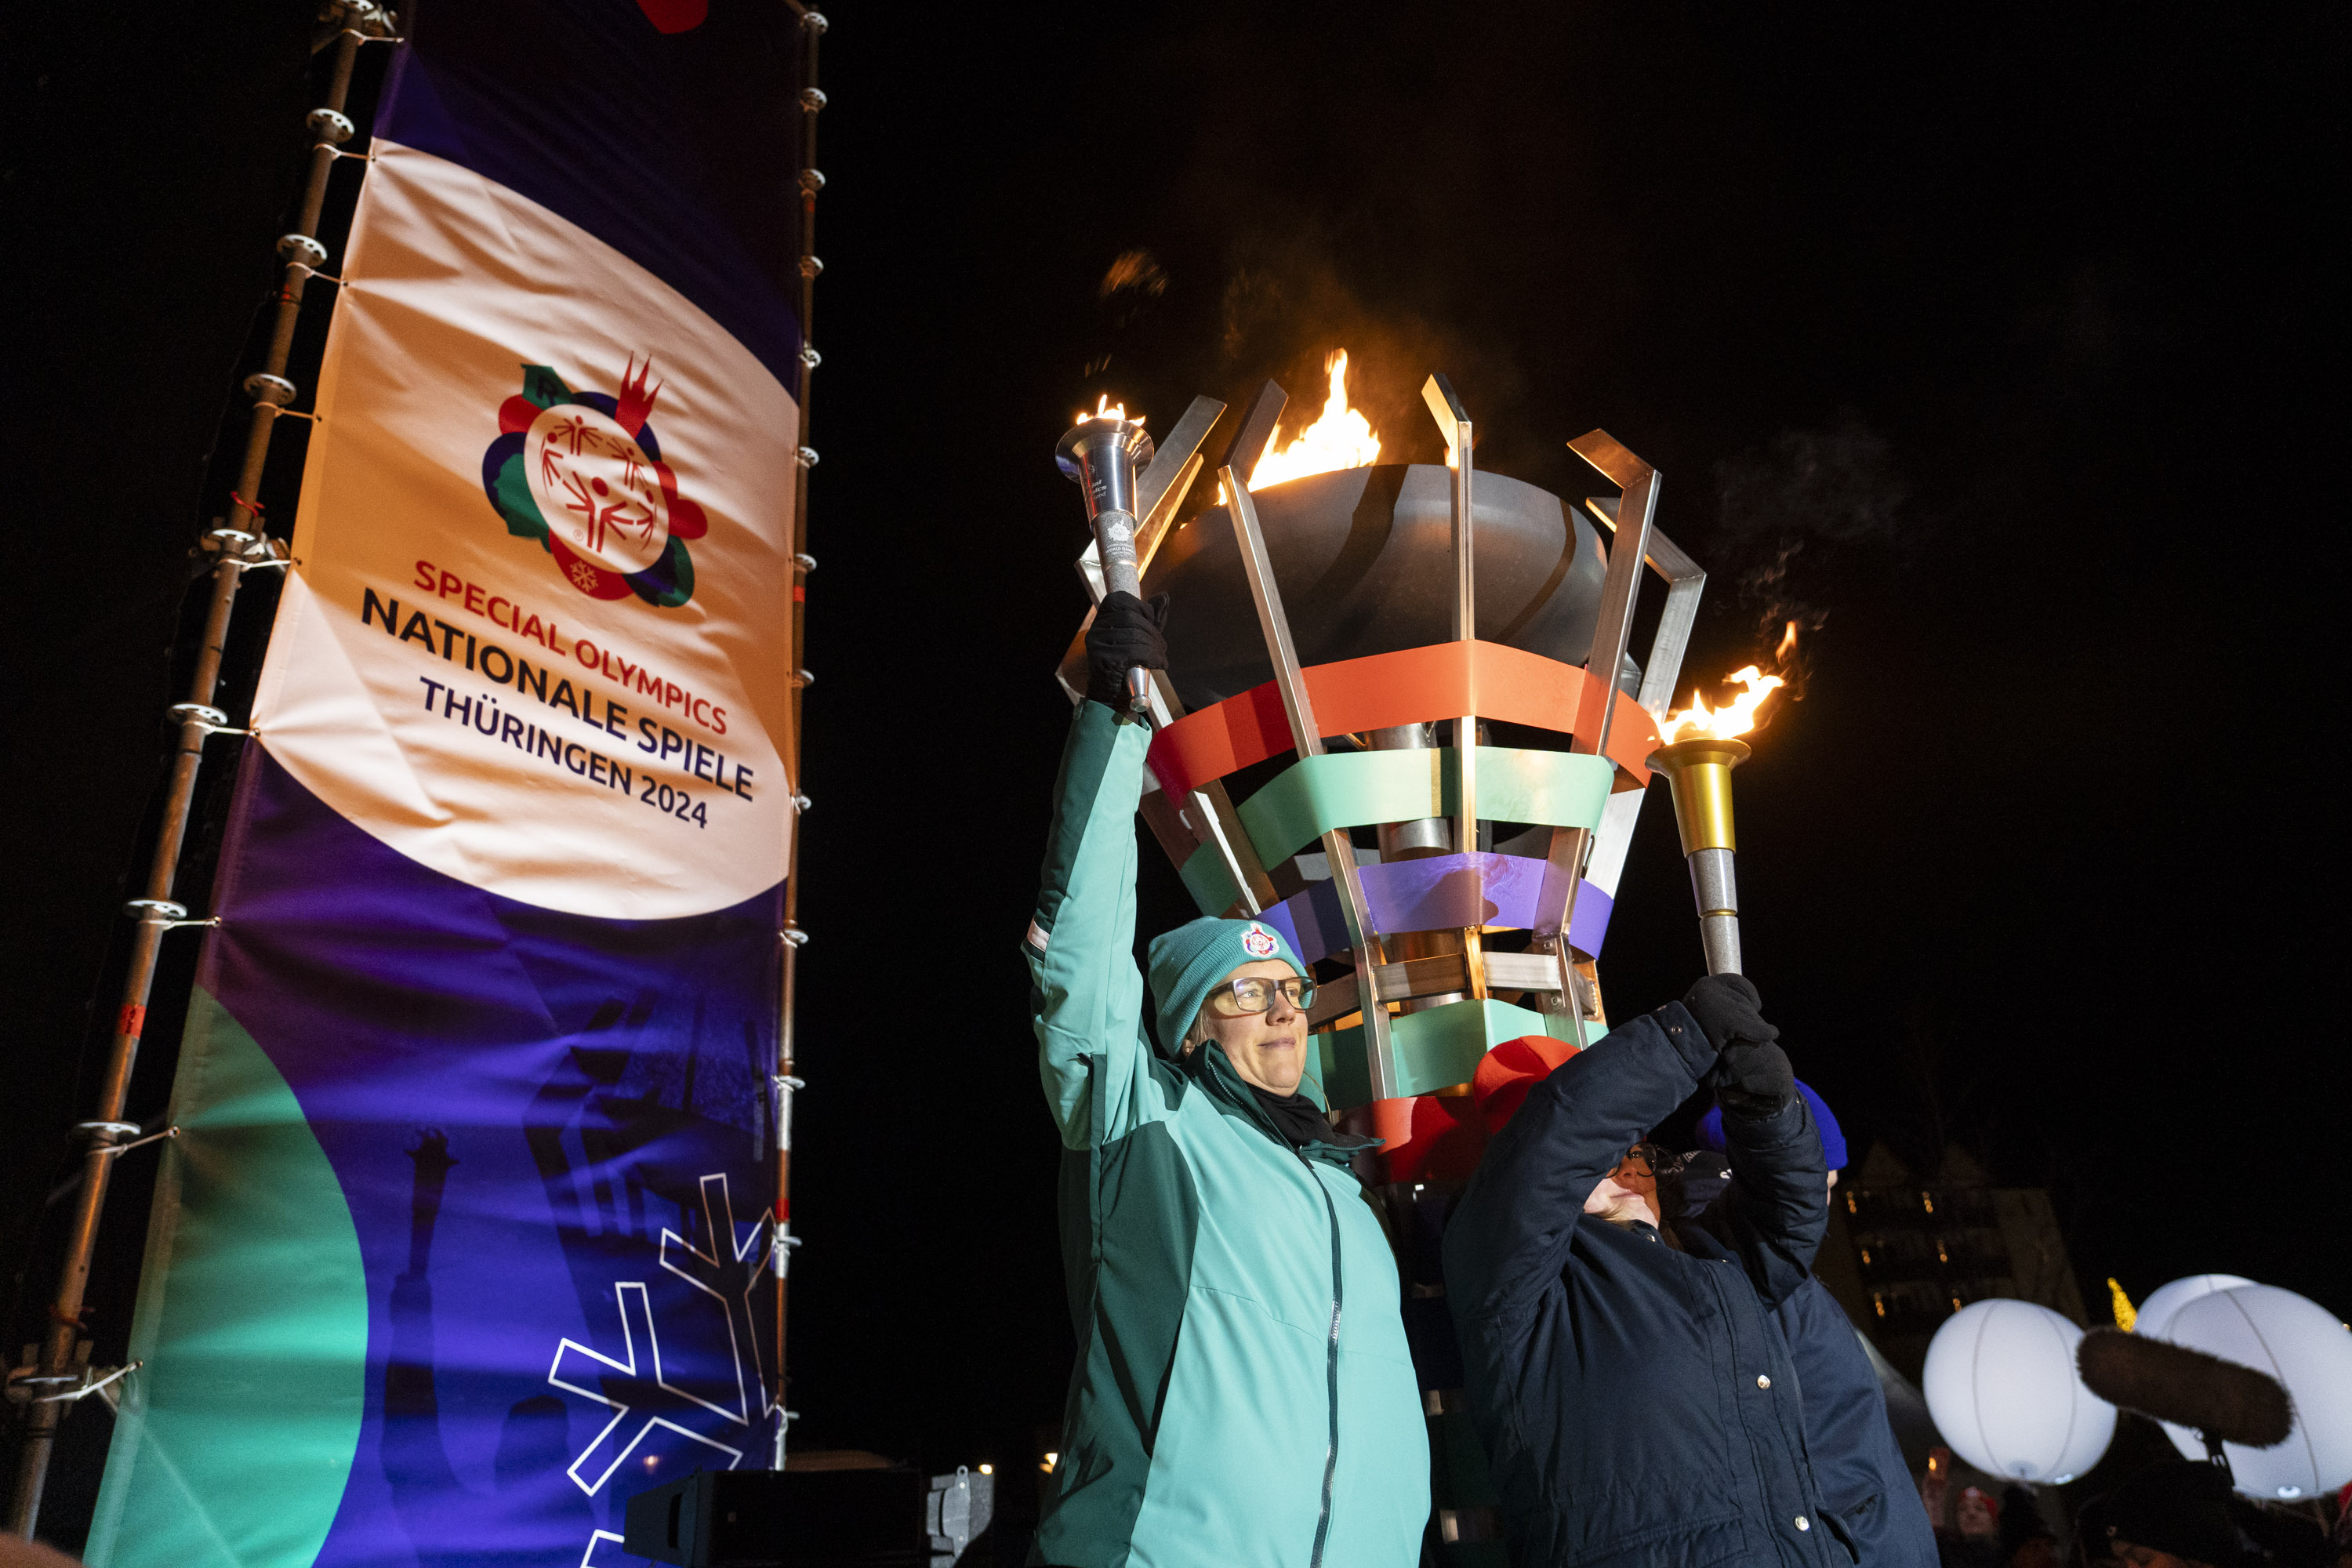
x=465, y=1237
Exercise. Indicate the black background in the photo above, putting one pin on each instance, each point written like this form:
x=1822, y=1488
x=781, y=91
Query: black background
x=1992, y=344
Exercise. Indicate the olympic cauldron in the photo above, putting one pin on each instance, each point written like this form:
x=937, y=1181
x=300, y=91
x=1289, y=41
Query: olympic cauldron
x=1402, y=652
x=1334, y=638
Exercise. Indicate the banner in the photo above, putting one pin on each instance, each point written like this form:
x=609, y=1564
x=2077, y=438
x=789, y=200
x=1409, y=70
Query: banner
x=465, y=1238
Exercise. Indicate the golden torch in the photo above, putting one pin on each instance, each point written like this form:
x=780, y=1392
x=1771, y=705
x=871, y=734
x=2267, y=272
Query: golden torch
x=1702, y=748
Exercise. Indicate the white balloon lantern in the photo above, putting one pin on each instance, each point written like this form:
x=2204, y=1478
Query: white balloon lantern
x=2002, y=1386
x=2166, y=1300
x=2302, y=1345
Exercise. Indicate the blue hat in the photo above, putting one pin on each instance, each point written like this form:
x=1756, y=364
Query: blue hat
x=1188, y=963
x=1710, y=1129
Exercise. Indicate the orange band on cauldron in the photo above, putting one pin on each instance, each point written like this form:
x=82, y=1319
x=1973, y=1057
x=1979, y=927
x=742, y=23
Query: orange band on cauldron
x=1412, y=686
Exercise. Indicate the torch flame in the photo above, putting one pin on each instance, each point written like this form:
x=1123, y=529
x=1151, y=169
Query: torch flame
x=1105, y=409
x=1735, y=718
x=1739, y=716
x=1340, y=438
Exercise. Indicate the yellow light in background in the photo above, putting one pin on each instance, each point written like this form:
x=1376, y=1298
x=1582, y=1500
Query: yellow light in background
x=2126, y=1313
x=988, y=1470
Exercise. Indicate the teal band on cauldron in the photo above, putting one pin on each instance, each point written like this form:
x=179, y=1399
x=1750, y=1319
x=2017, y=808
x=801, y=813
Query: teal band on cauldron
x=1357, y=789
x=1433, y=1050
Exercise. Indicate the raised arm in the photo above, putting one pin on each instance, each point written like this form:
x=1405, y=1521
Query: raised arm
x=1509, y=1234
x=1777, y=1205
x=1085, y=994
x=1776, y=1208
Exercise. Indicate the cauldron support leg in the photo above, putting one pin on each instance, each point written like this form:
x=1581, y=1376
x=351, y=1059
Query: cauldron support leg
x=1638, y=481
x=1299, y=708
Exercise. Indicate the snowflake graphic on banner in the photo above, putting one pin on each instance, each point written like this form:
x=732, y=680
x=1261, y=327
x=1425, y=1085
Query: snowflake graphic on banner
x=648, y=1396
x=581, y=473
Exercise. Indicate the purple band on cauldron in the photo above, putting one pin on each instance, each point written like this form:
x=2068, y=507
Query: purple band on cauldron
x=1434, y=894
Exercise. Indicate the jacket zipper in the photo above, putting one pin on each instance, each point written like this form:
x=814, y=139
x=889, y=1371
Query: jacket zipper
x=1331, y=1375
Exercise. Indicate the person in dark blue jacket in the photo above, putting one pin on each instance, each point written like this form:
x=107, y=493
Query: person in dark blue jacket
x=1637, y=1405
x=1862, y=1477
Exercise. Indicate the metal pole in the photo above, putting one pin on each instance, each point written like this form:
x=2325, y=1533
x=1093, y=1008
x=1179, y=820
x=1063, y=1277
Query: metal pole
x=787, y=1082
x=1336, y=845
x=1454, y=422
x=242, y=546
x=1685, y=582
x=1569, y=846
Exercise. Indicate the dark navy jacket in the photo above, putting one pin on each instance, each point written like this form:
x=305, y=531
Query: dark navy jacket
x=1862, y=1477
x=1637, y=1403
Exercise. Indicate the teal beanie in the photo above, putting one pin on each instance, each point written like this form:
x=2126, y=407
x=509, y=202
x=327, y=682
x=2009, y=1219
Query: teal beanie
x=1188, y=963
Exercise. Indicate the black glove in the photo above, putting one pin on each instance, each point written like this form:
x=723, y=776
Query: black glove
x=1125, y=633
x=1751, y=1074
x=1752, y=1079
x=1727, y=1009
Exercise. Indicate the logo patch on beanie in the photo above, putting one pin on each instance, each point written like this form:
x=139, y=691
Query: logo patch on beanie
x=1258, y=943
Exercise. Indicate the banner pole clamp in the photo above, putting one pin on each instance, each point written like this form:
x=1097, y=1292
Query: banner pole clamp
x=171, y=1131
x=209, y=720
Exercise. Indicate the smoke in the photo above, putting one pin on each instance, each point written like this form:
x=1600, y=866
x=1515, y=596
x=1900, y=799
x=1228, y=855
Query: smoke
x=1126, y=297
x=1786, y=510
x=1223, y=314
x=1286, y=302
x=1837, y=483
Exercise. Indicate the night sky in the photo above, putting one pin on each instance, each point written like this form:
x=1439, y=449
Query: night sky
x=1988, y=344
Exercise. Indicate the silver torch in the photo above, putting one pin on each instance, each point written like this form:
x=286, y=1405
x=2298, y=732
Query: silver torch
x=1699, y=771
x=1103, y=455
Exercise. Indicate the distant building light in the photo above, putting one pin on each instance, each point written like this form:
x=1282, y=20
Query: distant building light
x=2125, y=1316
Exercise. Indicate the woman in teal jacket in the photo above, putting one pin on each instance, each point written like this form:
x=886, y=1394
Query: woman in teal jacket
x=1243, y=1396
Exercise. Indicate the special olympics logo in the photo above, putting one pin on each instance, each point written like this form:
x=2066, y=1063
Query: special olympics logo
x=1258, y=943
x=581, y=473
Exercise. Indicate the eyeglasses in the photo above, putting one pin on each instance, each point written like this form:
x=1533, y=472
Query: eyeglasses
x=1647, y=1160
x=1252, y=994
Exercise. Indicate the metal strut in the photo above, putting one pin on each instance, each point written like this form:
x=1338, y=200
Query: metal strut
x=811, y=102
x=234, y=551
x=1307, y=738
x=1621, y=585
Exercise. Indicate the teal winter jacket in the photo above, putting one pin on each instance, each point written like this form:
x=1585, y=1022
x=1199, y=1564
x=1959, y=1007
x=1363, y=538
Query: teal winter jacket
x=1243, y=1396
